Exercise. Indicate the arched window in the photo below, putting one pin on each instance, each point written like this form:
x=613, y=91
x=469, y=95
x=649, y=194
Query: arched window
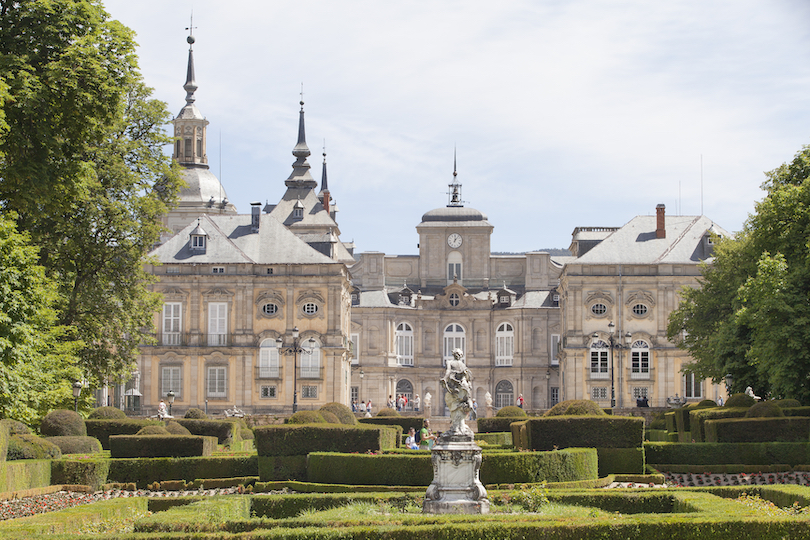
x=599, y=360
x=504, y=345
x=454, y=267
x=268, y=359
x=405, y=388
x=504, y=395
x=403, y=343
x=310, y=359
x=454, y=338
x=640, y=360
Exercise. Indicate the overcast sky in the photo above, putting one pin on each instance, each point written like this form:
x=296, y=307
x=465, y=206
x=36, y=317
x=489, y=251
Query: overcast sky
x=564, y=113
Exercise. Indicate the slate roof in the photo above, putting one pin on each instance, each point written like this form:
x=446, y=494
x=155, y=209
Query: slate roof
x=532, y=299
x=377, y=298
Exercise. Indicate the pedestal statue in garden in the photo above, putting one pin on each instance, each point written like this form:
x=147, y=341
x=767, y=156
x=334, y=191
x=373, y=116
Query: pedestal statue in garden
x=456, y=487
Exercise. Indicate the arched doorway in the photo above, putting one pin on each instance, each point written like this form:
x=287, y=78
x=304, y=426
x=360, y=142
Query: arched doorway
x=405, y=388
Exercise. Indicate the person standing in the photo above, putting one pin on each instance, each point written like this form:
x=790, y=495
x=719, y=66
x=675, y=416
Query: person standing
x=416, y=403
x=426, y=437
x=401, y=403
x=520, y=401
x=410, y=440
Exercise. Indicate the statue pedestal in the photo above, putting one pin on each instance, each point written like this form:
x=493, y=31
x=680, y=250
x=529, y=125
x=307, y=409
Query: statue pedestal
x=456, y=488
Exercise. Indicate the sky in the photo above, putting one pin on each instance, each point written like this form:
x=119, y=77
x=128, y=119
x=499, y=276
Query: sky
x=562, y=113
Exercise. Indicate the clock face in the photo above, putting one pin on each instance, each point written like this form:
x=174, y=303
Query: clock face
x=454, y=240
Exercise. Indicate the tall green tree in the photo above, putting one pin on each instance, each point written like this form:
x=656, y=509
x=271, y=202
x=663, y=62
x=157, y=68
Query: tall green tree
x=82, y=167
x=751, y=316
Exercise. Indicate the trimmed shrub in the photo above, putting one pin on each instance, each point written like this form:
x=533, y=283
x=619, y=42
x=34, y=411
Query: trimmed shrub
x=146, y=471
x=740, y=400
x=195, y=414
x=76, y=445
x=764, y=409
x=568, y=465
x=246, y=434
x=62, y=423
x=226, y=431
x=405, y=422
x=133, y=446
x=698, y=417
x=706, y=403
x=388, y=412
x=500, y=439
x=329, y=417
x=727, y=453
x=153, y=430
x=300, y=440
x=682, y=418
x=550, y=433
x=15, y=427
x=658, y=422
x=796, y=411
x=344, y=413
x=31, y=447
x=620, y=461
x=109, y=413
x=510, y=411
x=495, y=425
x=669, y=418
x=23, y=475
x=576, y=407
x=83, y=472
x=741, y=430
x=786, y=403
x=306, y=417
x=274, y=468
x=102, y=429
x=173, y=428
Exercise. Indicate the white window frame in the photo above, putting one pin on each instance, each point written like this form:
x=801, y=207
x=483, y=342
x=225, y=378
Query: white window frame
x=216, y=382
x=171, y=378
x=310, y=360
x=555, y=347
x=504, y=344
x=640, y=360
x=268, y=359
x=403, y=344
x=455, y=267
x=690, y=383
x=217, y=323
x=355, y=349
x=172, y=323
x=217, y=269
x=555, y=395
x=197, y=241
x=453, y=338
x=599, y=361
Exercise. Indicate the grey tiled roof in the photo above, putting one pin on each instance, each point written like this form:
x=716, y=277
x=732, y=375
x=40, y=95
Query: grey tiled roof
x=532, y=299
x=377, y=298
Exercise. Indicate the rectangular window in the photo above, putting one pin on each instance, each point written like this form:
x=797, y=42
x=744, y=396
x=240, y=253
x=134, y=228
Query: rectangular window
x=599, y=393
x=217, y=382
x=172, y=324
x=199, y=148
x=188, y=148
x=269, y=271
x=218, y=270
x=217, y=323
x=404, y=349
x=171, y=379
x=640, y=392
x=355, y=349
x=555, y=348
x=268, y=392
x=693, y=387
x=309, y=392
x=198, y=241
x=268, y=363
x=311, y=363
x=298, y=213
x=172, y=269
x=640, y=364
x=599, y=364
x=555, y=300
x=555, y=395
x=454, y=271
x=450, y=343
x=355, y=393
x=504, y=349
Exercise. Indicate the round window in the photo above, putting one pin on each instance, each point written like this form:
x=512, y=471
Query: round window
x=599, y=309
x=310, y=308
x=454, y=299
x=270, y=309
x=639, y=310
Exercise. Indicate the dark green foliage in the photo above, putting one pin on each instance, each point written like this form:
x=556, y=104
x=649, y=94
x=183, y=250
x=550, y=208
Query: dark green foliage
x=306, y=417
x=330, y=417
x=698, y=417
x=282, y=468
x=83, y=472
x=102, y=429
x=500, y=439
x=108, y=413
x=344, y=413
x=796, y=411
x=300, y=440
x=620, y=461
x=727, y=453
x=765, y=409
x=22, y=475
x=706, y=403
x=31, y=447
x=62, y=423
x=669, y=418
x=385, y=411
x=134, y=446
x=246, y=434
x=405, y=422
x=76, y=445
x=224, y=430
x=740, y=400
x=682, y=415
x=174, y=428
x=658, y=422
x=786, y=403
x=495, y=425
x=148, y=470
x=548, y=433
x=153, y=430
x=15, y=427
x=4, y=435
x=742, y=430
x=363, y=469
x=195, y=414
x=559, y=466
x=576, y=407
x=510, y=411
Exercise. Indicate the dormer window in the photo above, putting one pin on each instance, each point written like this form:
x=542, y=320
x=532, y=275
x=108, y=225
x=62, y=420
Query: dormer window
x=298, y=213
x=197, y=242
x=504, y=299
x=197, y=238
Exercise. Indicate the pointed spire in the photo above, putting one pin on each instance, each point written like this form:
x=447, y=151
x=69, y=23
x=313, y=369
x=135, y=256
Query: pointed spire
x=191, y=85
x=324, y=185
x=300, y=176
x=455, y=187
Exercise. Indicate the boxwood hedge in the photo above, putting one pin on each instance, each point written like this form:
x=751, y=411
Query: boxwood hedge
x=496, y=425
x=76, y=445
x=225, y=431
x=101, y=429
x=405, y=422
x=145, y=471
x=553, y=432
x=300, y=440
x=773, y=429
x=698, y=417
x=727, y=453
x=135, y=446
x=85, y=472
x=21, y=475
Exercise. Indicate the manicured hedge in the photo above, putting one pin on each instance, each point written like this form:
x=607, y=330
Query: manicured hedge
x=31, y=447
x=727, y=453
x=272, y=468
x=500, y=439
x=84, y=472
x=65, y=521
x=27, y=474
x=655, y=435
x=225, y=431
x=496, y=425
x=205, y=513
x=620, y=461
x=405, y=422
x=549, y=433
x=698, y=417
x=76, y=445
x=796, y=411
x=774, y=429
x=4, y=435
x=669, y=418
x=136, y=446
x=568, y=465
x=145, y=471
x=101, y=429
x=300, y=440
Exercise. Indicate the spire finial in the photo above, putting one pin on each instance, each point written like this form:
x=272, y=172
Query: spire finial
x=302, y=97
x=455, y=186
x=455, y=172
x=190, y=28
x=324, y=185
x=300, y=175
x=191, y=85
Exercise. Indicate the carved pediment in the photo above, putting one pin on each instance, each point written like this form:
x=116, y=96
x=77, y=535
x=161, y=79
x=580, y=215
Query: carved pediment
x=599, y=296
x=640, y=297
x=217, y=293
x=174, y=293
x=310, y=294
x=270, y=295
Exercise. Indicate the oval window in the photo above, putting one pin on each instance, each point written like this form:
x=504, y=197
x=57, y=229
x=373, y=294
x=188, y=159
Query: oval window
x=599, y=309
x=454, y=299
x=310, y=308
x=270, y=309
x=639, y=310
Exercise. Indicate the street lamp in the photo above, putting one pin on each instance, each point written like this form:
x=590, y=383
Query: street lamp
x=295, y=350
x=729, y=382
x=614, y=344
x=170, y=395
x=77, y=390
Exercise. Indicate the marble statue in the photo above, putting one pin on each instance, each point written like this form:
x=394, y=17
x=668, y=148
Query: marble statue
x=750, y=393
x=458, y=397
x=427, y=401
x=488, y=398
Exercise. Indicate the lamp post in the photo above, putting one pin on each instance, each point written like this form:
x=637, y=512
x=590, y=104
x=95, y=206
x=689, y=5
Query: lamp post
x=77, y=390
x=614, y=344
x=295, y=350
x=729, y=382
x=170, y=395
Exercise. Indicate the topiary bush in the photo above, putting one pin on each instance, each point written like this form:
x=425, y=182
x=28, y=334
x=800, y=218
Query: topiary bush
x=706, y=403
x=195, y=414
x=15, y=427
x=658, y=421
x=510, y=411
x=305, y=417
x=246, y=434
x=787, y=403
x=107, y=413
x=344, y=413
x=31, y=447
x=63, y=423
x=576, y=407
x=740, y=400
x=153, y=430
x=329, y=417
x=76, y=445
x=388, y=412
x=176, y=429
x=765, y=409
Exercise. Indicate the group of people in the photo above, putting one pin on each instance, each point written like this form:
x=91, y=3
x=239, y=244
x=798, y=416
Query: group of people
x=362, y=407
x=401, y=402
x=424, y=441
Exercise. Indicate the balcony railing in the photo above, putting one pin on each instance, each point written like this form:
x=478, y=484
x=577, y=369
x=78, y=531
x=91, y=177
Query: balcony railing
x=172, y=338
x=268, y=372
x=315, y=373
x=216, y=340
